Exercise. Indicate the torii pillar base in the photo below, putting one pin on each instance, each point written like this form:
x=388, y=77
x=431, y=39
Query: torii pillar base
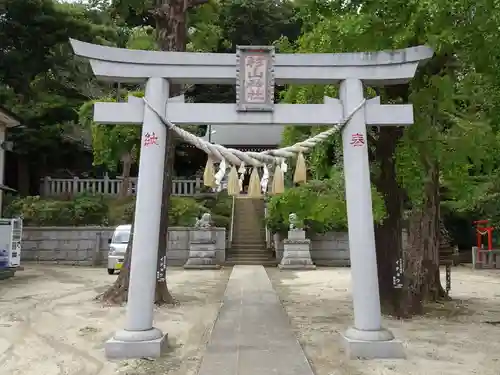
x=372, y=345
x=136, y=344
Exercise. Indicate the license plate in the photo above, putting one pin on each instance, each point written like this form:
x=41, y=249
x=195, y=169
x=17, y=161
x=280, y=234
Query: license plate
x=119, y=266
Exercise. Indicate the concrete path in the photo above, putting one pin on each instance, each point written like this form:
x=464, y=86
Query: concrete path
x=252, y=334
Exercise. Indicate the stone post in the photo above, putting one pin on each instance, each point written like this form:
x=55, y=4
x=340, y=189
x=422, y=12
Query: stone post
x=201, y=250
x=139, y=338
x=367, y=339
x=296, y=253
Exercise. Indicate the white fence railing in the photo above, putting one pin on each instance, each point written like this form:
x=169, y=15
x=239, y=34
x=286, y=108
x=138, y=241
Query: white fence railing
x=73, y=186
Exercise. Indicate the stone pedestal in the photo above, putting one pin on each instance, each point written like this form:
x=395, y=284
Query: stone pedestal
x=201, y=250
x=380, y=344
x=296, y=254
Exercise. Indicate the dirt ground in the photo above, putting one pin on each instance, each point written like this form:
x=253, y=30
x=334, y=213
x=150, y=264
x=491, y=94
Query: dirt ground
x=50, y=324
x=457, y=338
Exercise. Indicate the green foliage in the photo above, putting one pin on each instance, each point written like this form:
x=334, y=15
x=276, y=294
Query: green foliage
x=455, y=95
x=110, y=143
x=82, y=210
x=184, y=211
x=319, y=204
x=102, y=210
x=220, y=207
x=257, y=22
x=121, y=210
x=40, y=80
x=142, y=37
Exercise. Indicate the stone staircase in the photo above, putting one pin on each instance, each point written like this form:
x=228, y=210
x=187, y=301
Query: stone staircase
x=249, y=234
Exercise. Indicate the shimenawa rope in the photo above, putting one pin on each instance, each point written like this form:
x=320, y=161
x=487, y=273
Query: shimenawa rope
x=255, y=159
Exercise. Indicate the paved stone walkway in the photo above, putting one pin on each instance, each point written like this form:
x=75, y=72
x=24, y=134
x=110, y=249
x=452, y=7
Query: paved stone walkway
x=252, y=335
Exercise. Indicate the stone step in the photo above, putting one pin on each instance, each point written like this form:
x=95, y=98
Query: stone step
x=250, y=257
x=243, y=223
x=246, y=231
x=252, y=214
x=249, y=235
x=249, y=230
x=257, y=234
x=254, y=254
x=248, y=225
x=249, y=207
x=248, y=239
x=265, y=263
x=254, y=251
x=255, y=260
x=248, y=244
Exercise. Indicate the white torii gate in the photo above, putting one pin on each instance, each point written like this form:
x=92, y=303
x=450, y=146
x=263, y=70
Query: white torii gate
x=254, y=70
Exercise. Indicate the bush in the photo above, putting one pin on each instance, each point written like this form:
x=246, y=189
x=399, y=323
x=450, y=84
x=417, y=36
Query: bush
x=220, y=204
x=101, y=210
x=319, y=204
x=82, y=210
x=121, y=211
x=183, y=211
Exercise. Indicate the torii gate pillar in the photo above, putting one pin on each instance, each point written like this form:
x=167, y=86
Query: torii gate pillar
x=139, y=338
x=367, y=338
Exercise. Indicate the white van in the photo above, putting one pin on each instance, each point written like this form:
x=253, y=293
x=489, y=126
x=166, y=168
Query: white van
x=117, y=247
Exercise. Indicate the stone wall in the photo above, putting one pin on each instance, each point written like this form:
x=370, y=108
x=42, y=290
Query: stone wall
x=89, y=245
x=329, y=249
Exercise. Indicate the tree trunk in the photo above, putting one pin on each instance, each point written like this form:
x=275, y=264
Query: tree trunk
x=171, y=28
x=388, y=234
x=422, y=278
x=117, y=294
x=127, y=165
x=162, y=294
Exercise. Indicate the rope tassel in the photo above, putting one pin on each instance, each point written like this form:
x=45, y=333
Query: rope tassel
x=254, y=185
x=209, y=174
x=233, y=183
x=237, y=157
x=300, y=174
x=278, y=186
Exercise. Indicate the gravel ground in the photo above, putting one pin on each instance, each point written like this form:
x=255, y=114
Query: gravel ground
x=452, y=339
x=50, y=323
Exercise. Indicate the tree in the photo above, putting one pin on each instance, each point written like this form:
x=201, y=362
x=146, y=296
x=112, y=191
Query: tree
x=441, y=143
x=112, y=143
x=171, y=35
x=41, y=83
x=211, y=28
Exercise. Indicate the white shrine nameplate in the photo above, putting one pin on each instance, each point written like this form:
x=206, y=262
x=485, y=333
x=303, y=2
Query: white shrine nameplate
x=255, y=78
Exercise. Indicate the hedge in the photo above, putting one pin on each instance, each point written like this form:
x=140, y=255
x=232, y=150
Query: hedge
x=320, y=205
x=101, y=210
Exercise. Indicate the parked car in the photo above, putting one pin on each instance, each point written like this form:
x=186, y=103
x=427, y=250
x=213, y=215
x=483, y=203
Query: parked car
x=117, y=247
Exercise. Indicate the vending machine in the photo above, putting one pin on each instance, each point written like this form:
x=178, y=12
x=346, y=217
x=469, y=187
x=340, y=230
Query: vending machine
x=11, y=233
